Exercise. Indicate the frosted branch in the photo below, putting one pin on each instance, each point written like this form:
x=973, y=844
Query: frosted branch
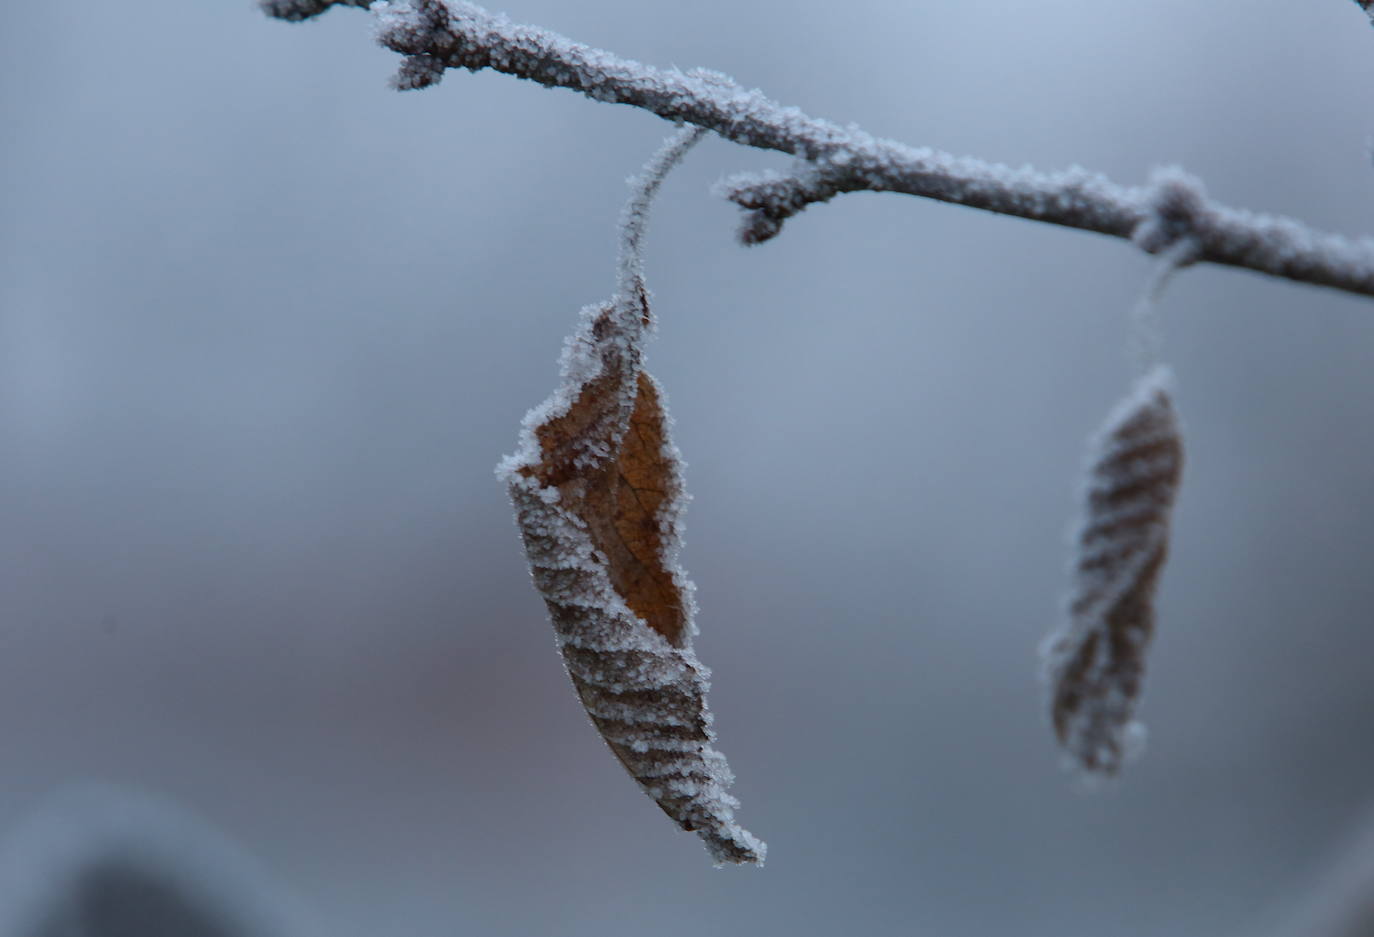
x=436, y=35
x=297, y=10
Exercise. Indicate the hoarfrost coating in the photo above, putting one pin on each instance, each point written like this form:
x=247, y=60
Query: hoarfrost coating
x=436, y=35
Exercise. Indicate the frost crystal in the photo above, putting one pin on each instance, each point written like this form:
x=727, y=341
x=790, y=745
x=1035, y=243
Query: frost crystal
x=598, y=495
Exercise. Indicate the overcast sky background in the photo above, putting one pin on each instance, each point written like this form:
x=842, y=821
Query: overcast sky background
x=266, y=327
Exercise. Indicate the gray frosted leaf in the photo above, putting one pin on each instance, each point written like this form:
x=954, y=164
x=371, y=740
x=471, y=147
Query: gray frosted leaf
x=1095, y=665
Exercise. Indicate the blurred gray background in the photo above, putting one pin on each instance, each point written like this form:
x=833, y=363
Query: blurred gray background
x=266, y=326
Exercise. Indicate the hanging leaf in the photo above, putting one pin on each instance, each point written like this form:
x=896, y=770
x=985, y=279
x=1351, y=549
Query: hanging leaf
x=598, y=495
x=1095, y=665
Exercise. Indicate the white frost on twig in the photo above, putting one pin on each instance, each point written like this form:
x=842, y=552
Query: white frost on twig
x=1173, y=230
x=436, y=35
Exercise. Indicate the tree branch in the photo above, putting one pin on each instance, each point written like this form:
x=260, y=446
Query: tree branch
x=435, y=35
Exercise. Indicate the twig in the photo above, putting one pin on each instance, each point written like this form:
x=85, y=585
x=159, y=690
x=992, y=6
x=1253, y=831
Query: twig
x=435, y=35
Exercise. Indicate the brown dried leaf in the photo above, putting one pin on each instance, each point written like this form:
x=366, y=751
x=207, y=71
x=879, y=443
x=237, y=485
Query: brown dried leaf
x=1095, y=665
x=623, y=500
x=597, y=489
